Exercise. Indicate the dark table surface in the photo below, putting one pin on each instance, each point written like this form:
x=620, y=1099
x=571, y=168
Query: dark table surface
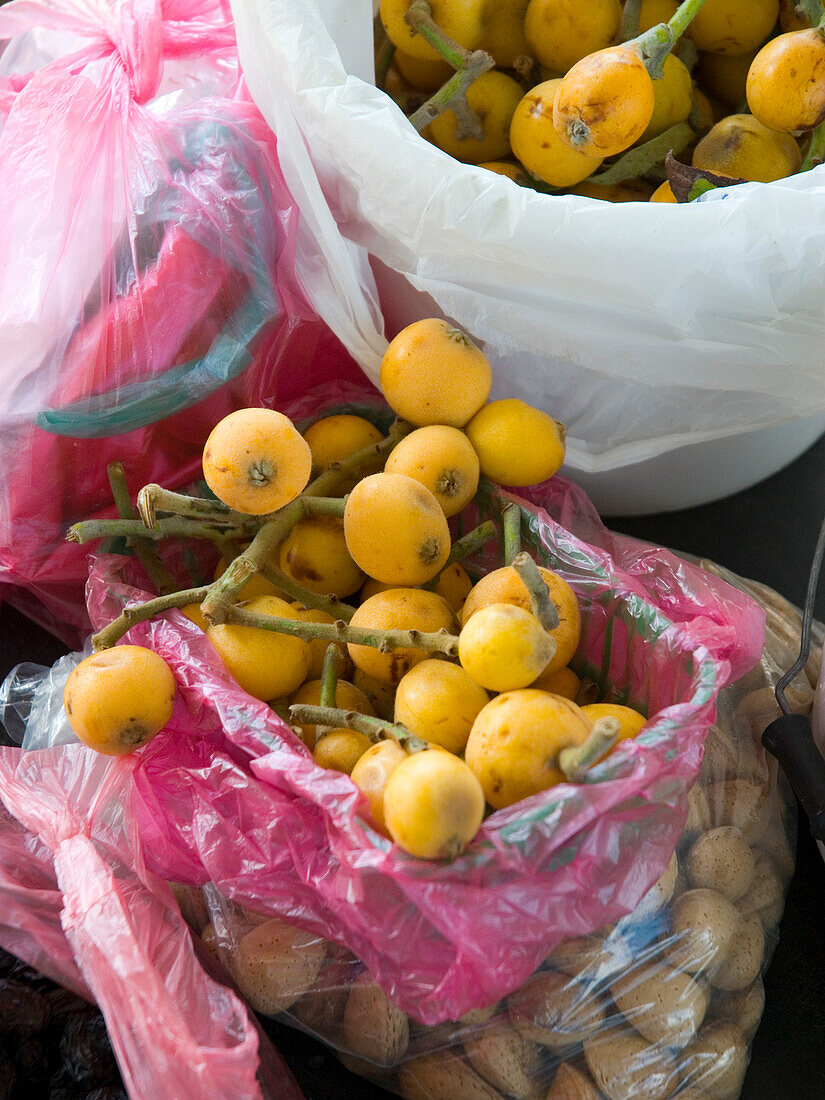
x=767, y=533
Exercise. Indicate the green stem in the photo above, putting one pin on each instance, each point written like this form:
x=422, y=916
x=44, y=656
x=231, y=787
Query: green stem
x=657, y=42
x=383, y=640
x=120, y=491
x=812, y=10
x=576, y=762
x=453, y=96
x=88, y=530
x=333, y=663
x=258, y=555
x=640, y=160
x=419, y=16
x=146, y=553
x=816, y=150
x=254, y=559
x=687, y=53
x=374, y=728
x=230, y=548
x=698, y=120
x=630, y=20
x=463, y=547
x=323, y=506
x=543, y=607
x=114, y=631
x=383, y=59
x=154, y=498
x=683, y=17
x=368, y=460
x=329, y=603
x=469, y=66
x=511, y=527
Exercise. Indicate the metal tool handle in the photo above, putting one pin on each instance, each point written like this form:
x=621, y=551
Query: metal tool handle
x=790, y=739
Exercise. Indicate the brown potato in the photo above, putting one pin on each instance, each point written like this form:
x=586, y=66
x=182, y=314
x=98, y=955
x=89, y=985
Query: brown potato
x=571, y=1083
x=703, y=927
x=664, y=1005
x=744, y=961
x=627, y=1067
x=443, y=1076
x=659, y=893
x=374, y=1029
x=587, y=956
x=743, y=1008
x=322, y=1006
x=715, y=1061
x=737, y=802
x=508, y=1061
x=275, y=963
x=722, y=860
x=764, y=897
x=730, y=755
x=555, y=1010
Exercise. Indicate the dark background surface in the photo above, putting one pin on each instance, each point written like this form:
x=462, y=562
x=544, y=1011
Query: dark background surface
x=767, y=533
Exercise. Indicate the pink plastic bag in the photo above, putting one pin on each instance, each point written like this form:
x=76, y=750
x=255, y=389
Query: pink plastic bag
x=147, y=269
x=80, y=906
x=227, y=794
x=30, y=916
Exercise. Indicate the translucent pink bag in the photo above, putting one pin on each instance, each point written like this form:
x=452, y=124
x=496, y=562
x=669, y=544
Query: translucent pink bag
x=79, y=905
x=147, y=269
x=227, y=794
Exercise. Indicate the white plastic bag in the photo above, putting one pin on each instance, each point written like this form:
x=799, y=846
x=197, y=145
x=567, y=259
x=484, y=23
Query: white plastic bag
x=644, y=327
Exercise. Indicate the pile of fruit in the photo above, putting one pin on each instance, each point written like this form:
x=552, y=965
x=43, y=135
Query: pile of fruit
x=441, y=694
x=599, y=97
x=660, y=1005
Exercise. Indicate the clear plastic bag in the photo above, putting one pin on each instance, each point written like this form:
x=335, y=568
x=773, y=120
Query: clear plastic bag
x=229, y=795
x=645, y=327
x=662, y=1003
x=147, y=269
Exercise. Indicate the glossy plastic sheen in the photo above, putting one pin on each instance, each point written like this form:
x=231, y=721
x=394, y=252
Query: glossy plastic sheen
x=644, y=327
x=147, y=269
x=228, y=794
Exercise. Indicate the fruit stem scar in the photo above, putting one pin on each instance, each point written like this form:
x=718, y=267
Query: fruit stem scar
x=261, y=473
x=429, y=550
x=448, y=483
x=578, y=132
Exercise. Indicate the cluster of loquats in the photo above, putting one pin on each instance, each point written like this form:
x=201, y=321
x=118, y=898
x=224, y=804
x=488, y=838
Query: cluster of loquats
x=600, y=97
x=661, y=1004
x=341, y=599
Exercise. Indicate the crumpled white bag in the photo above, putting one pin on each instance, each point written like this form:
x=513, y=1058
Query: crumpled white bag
x=643, y=326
